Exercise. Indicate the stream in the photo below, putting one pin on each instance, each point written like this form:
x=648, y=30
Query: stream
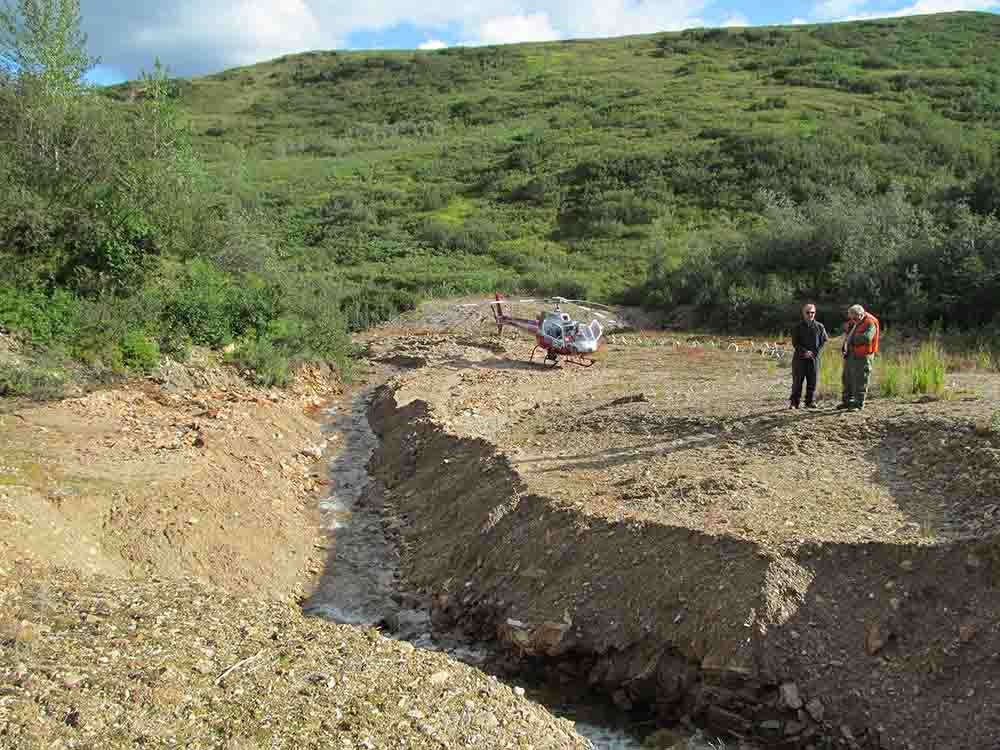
x=360, y=583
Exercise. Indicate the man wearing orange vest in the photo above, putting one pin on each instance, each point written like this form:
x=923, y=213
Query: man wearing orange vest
x=861, y=334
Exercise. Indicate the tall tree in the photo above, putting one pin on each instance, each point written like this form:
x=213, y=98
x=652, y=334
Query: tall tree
x=42, y=45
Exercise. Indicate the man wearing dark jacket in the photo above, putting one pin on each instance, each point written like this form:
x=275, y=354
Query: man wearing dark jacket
x=808, y=339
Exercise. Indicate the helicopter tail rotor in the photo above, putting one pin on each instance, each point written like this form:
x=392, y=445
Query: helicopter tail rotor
x=498, y=315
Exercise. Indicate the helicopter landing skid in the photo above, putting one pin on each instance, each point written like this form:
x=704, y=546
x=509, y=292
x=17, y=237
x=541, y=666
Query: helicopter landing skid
x=552, y=360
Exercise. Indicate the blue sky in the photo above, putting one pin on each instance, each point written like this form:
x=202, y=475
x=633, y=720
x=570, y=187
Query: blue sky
x=195, y=37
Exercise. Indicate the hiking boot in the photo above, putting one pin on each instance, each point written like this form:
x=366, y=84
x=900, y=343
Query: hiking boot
x=793, y=406
x=810, y=404
x=858, y=406
x=845, y=405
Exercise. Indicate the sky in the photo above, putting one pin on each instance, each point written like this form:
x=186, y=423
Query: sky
x=196, y=37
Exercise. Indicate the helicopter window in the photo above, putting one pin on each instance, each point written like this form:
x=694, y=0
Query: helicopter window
x=553, y=330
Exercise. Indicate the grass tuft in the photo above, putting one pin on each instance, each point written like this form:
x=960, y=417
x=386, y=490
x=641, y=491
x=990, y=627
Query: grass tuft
x=831, y=369
x=928, y=368
x=891, y=379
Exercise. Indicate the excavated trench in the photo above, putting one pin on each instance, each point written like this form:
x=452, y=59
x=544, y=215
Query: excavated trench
x=438, y=540
x=362, y=585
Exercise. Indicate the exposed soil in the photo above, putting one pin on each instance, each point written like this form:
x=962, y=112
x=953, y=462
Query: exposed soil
x=663, y=527
x=659, y=527
x=155, y=542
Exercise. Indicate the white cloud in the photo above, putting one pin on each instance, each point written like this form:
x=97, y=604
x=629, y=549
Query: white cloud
x=433, y=44
x=735, y=19
x=943, y=6
x=854, y=10
x=197, y=36
x=510, y=29
x=590, y=18
x=799, y=22
x=246, y=31
x=838, y=8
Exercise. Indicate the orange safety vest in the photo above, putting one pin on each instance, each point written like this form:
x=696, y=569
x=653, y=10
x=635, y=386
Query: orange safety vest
x=867, y=347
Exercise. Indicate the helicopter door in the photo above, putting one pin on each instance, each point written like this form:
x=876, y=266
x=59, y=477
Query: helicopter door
x=553, y=330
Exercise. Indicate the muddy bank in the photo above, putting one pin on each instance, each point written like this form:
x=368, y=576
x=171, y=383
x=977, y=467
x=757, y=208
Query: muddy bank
x=816, y=645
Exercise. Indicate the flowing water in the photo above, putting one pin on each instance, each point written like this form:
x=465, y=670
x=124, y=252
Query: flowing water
x=359, y=587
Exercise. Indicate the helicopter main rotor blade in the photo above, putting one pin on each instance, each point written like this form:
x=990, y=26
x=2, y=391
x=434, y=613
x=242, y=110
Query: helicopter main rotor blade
x=582, y=302
x=495, y=302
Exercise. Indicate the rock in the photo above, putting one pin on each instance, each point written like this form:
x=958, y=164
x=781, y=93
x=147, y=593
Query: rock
x=972, y=562
x=722, y=720
x=439, y=678
x=73, y=680
x=547, y=637
x=664, y=739
x=874, y=640
x=815, y=709
x=312, y=451
x=519, y=691
x=790, y=696
x=906, y=565
x=794, y=727
x=488, y=721
x=204, y=667
x=771, y=725
x=966, y=632
x=621, y=699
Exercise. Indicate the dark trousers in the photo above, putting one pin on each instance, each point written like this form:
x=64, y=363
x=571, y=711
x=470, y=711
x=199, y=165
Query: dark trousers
x=804, y=369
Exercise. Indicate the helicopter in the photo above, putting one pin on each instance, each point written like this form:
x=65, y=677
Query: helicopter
x=556, y=332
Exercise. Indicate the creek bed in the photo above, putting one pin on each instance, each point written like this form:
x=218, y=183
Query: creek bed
x=360, y=584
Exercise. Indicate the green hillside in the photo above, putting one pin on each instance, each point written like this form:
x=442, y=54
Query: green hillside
x=281, y=205
x=568, y=165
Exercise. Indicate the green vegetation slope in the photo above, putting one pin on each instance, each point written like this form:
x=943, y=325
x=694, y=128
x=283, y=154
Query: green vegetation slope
x=618, y=168
x=280, y=205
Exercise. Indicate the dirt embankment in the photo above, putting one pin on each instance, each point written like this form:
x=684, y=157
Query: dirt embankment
x=154, y=542
x=808, y=580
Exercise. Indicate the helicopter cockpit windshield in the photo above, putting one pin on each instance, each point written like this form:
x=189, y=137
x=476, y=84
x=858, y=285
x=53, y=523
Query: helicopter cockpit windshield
x=587, y=333
x=585, y=338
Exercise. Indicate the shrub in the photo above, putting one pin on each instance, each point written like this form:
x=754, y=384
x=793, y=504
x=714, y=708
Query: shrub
x=198, y=305
x=267, y=365
x=31, y=382
x=540, y=191
x=436, y=197
x=139, y=352
x=476, y=236
x=372, y=305
x=210, y=307
x=43, y=318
